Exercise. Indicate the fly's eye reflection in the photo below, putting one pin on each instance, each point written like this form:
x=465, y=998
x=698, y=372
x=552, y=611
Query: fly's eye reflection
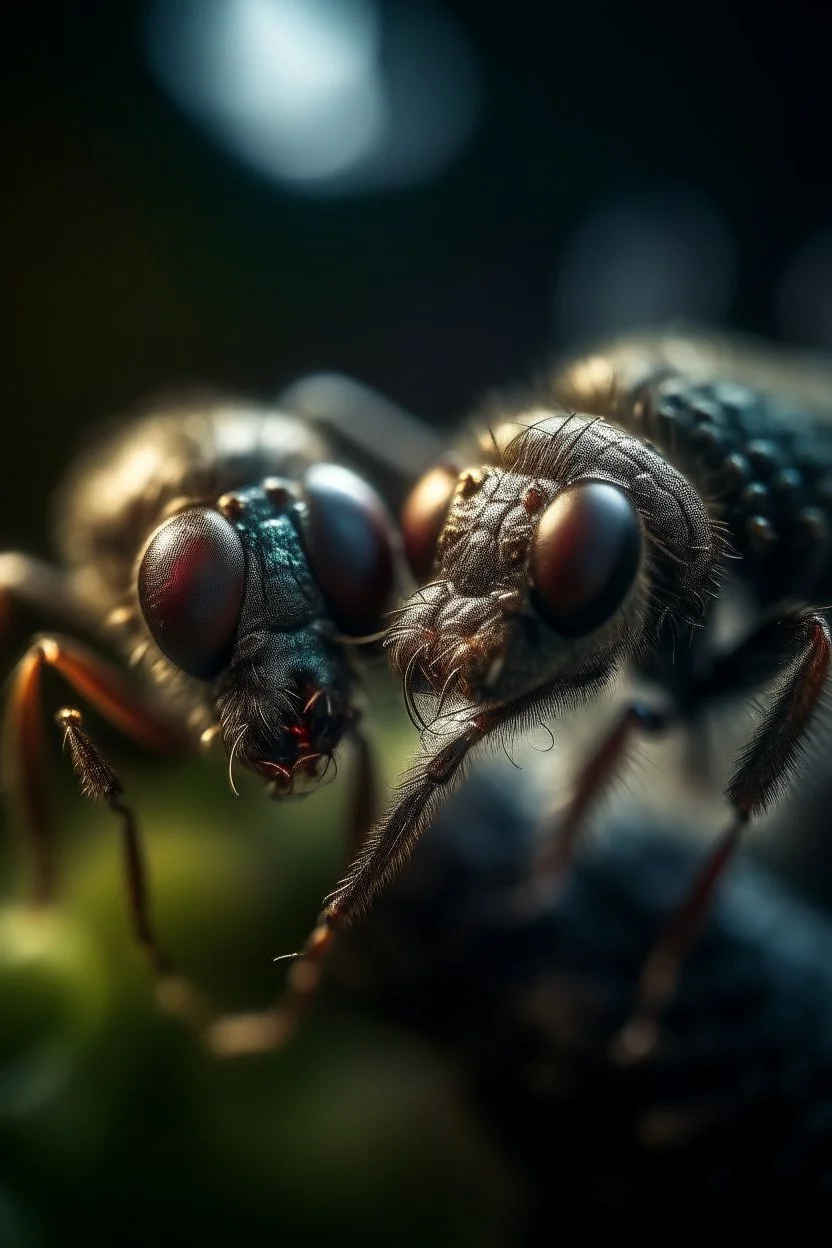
x=350, y=542
x=585, y=556
x=190, y=584
x=424, y=514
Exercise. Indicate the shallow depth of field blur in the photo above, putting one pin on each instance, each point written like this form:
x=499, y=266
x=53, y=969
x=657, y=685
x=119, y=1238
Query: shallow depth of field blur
x=430, y=196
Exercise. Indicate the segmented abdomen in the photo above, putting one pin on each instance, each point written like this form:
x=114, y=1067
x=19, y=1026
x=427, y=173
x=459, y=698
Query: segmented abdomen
x=758, y=449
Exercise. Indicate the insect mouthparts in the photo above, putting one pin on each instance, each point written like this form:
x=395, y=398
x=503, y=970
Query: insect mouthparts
x=298, y=780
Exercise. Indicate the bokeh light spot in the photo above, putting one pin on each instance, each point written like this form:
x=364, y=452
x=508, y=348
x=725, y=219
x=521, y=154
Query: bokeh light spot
x=325, y=96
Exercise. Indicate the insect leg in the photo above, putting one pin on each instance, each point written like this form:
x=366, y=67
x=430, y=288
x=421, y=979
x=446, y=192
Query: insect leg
x=765, y=765
x=381, y=856
x=762, y=771
x=106, y=689
x=234, y=1035
x=100, y=783
x=558, y=847
x=425, y=786
x=383, y=851
x=363, y=806
x=41, y=587
x=237, y=1035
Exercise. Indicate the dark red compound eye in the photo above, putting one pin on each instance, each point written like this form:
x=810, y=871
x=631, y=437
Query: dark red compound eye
x=423, y=517
x=585, y=556
x=191, y=585
x=350, y=541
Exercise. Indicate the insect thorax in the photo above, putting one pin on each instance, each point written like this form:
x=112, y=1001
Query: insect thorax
x=118, y=492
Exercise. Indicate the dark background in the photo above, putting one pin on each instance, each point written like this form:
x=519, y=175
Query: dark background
x=139, y=256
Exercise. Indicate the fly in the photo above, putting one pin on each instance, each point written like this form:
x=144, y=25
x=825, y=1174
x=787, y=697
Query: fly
x=591, y=531
x=236, y=566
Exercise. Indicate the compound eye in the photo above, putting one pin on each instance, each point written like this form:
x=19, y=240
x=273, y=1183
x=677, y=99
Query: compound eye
x=191, y=585
x=351, y=542
x=423, y=517
x=585, y=556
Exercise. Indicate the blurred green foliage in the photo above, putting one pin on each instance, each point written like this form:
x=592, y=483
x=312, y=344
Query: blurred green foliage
x=115, y=1124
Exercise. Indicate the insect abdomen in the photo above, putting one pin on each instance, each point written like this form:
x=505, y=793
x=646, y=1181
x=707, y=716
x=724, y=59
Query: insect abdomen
x=760, y=459
x=765, y=467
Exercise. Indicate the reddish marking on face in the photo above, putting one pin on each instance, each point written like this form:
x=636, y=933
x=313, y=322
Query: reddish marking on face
x=301, y=734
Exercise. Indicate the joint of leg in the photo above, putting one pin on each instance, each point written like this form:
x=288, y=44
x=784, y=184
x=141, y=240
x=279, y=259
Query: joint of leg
x=328, y=921
x=69, y=717
x=48, y=650
x=304, y=978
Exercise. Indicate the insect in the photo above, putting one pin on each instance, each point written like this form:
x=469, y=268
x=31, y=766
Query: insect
x=236, y=565
x=593, y=529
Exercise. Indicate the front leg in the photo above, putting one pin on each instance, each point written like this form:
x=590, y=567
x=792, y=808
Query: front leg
x=363, y=804
x=767, y=763
x=382, y=854
x=378, y=860
x=762, y=772
x=113, y=695
x=101, y=784
x=110, y=692
x=235, y=1035
x=557, y=846
x=45, y=590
